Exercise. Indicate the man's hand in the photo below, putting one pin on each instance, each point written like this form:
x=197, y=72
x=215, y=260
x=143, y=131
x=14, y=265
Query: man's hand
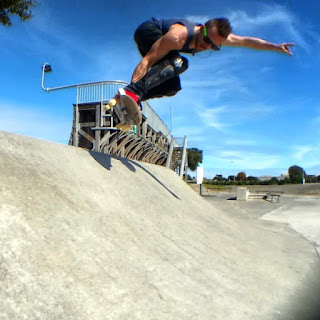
x=285, y=48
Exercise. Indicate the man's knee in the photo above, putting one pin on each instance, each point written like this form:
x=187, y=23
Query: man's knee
x=173, y=67
x=180, y=64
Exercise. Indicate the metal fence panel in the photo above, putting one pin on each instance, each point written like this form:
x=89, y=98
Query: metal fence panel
x=98, y=91
x=101, y=92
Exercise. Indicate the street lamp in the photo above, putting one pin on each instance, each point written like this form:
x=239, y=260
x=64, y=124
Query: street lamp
x=47, y=68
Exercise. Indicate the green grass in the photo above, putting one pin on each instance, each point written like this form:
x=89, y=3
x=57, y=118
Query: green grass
x=211, y=187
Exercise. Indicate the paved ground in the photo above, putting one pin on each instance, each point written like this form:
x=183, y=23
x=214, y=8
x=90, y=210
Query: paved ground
x=293, y=215
x=90, y=236
x=300, y=213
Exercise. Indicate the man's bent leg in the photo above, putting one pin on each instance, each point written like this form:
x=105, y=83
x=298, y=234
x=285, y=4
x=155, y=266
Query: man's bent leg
x=169, y=67
x=167, y=88
x=163, y=71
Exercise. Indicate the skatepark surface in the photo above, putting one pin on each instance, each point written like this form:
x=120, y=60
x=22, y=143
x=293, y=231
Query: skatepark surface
x=85, y=235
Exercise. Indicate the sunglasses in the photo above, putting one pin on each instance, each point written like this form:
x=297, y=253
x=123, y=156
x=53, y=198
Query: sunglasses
x=207, y=40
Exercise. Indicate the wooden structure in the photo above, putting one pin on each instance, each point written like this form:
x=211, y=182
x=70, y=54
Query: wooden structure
x=93, y=129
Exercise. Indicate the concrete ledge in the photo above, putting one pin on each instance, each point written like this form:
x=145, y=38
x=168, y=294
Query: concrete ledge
x=242, y=194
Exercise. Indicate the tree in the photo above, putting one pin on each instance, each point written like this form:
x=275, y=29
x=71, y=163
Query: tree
x=241, y=176
x=311, y=179
x=252, y=180
x=296, y=174
x=273, y=180
x=194, y=158
x=218, y=177
x=20, y=8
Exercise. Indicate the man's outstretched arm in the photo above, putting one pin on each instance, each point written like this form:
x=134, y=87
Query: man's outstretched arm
x=257, y=43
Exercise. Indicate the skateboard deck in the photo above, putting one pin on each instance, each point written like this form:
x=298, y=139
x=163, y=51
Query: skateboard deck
x=125, y=110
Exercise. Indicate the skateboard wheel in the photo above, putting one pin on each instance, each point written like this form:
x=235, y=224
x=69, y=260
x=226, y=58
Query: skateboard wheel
x=111, y=104
x=123, y=127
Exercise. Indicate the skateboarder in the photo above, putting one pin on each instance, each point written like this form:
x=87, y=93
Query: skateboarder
x=160, y=42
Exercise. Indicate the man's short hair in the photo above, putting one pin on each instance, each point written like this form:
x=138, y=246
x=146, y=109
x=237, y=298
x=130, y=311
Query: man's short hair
x=222, y=24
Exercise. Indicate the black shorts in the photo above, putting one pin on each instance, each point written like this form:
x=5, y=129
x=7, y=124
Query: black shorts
x=146, y=35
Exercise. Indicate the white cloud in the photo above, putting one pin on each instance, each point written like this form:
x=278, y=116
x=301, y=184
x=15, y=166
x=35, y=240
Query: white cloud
x=211, y=117
x=218, y=86
x=307, y=155
x=240, y=142
x=245, y=160
x=268, y=16
x=271, y=15
x=226, y=117
x=35, y=122
x=301, y=152
x=257, y=111
x=193, y=133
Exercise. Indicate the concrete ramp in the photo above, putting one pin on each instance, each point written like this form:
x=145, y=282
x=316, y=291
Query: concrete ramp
x=90, y=236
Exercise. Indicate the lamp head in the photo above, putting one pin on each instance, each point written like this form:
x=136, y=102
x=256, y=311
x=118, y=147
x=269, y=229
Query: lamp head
x=47, y=67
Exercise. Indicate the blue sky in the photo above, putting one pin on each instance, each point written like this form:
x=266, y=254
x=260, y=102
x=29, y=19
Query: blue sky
x=248, y=110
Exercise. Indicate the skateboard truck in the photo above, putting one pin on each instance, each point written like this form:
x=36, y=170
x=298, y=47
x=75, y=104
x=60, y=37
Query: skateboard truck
x=125, y=111
x=118, y=113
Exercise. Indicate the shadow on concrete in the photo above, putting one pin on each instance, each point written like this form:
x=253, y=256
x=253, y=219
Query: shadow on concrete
x=155, y=178
x=105, y=161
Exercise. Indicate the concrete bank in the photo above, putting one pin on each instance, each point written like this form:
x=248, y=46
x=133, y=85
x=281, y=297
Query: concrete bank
x=89, y=236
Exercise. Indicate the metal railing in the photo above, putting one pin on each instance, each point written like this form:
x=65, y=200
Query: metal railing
x=98, y=91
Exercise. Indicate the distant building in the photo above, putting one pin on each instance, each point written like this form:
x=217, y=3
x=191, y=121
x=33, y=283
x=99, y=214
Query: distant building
x=267, y=178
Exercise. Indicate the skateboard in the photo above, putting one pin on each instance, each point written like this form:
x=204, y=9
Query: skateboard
x=125, y=111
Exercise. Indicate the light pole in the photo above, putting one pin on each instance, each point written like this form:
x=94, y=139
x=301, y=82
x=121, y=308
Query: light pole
x=47, y=68
x=233, y=168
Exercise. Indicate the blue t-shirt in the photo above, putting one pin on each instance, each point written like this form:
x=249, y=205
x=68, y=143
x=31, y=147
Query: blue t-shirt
x=165, y=24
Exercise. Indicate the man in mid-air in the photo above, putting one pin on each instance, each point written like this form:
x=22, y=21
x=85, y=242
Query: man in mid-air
x=160, y=42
